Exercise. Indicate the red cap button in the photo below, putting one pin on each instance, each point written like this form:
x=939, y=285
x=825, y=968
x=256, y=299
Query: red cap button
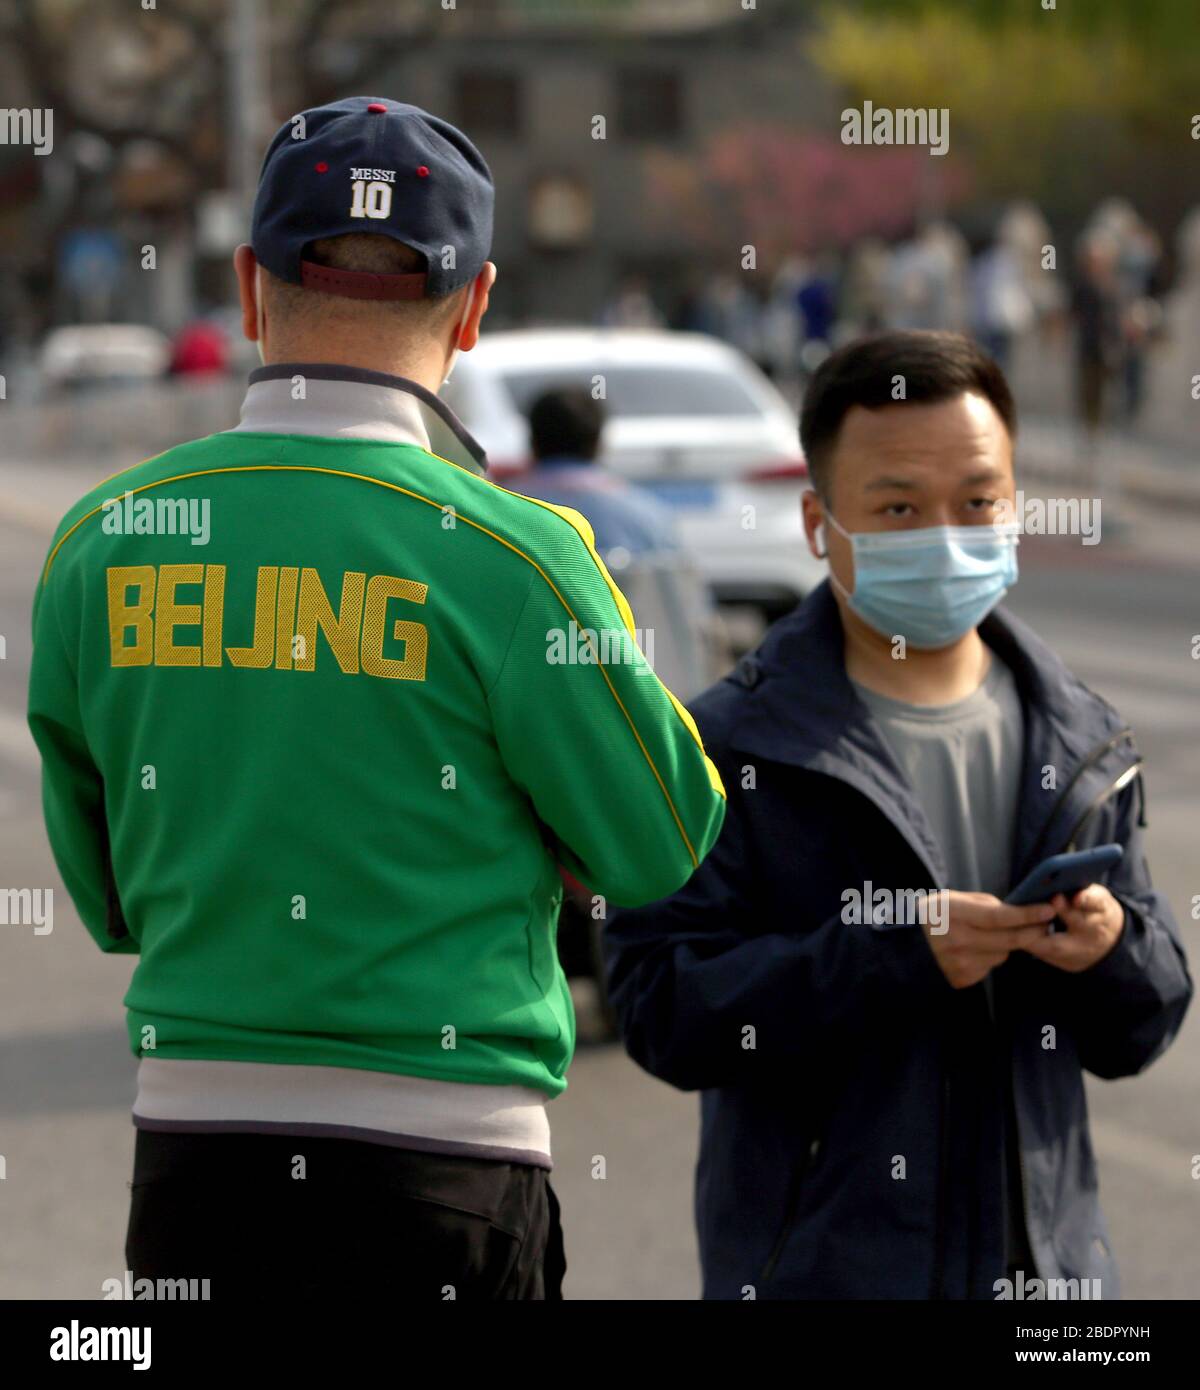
x=377, y=106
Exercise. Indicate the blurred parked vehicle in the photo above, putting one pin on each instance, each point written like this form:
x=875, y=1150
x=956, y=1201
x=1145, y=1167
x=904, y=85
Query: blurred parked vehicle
x=88, y=355
x=689, y=418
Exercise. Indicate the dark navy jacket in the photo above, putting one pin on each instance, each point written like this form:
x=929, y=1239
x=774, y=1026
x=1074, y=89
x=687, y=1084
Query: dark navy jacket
x=852, y=1115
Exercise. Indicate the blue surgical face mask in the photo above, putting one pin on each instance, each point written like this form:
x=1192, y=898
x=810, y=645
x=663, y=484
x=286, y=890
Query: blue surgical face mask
x=932, y=585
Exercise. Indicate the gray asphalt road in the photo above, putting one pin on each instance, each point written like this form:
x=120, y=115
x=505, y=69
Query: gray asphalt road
x=624, y=1144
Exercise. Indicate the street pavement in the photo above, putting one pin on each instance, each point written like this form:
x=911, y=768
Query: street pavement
x=1123, y=614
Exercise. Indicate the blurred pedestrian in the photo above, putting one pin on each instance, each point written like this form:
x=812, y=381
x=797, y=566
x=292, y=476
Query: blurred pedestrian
x=1000, y=307
x=1026, y=235
x=565, y=428
x=1138, y=263
x=1099, y=333
x=632, y=306
x=866, y=288
x=927, y=280
x=782, y=323
x=735, y=315
x=816, y=301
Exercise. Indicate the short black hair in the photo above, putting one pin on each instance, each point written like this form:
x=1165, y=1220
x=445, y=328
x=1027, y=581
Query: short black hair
x=935, y=367
x=566, y=420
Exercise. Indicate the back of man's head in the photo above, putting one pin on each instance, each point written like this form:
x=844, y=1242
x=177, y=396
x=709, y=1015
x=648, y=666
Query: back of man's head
x=369, y=240
x=566, y=422
x=304, y=318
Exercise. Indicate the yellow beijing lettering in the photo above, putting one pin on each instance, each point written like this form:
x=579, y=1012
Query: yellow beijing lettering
x=169, y=615
x=123, y=615
x=214, y=613
x=263, y=650
x=289, y=602
x=285, y=617
x=341, y=632
x=415, y=637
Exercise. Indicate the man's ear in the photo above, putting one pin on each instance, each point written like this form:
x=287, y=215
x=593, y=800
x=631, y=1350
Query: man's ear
x=468, y=334
x=245, y=264
x=812, y=514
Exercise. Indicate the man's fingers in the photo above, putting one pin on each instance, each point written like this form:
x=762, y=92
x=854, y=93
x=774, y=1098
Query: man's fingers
x=1006, y=917
x=1085, y=914
x=1001, y=938
x=1089, y=899
x=1053, y=948
x=995, y=941
x=1025, y=937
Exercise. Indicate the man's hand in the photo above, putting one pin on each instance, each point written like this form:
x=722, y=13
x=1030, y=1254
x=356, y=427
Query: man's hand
x=982, y=932
x=1094, y=920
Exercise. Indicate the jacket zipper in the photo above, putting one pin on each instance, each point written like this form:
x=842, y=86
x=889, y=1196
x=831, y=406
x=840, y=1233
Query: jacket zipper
x=789, y=1216
x=1094, y=755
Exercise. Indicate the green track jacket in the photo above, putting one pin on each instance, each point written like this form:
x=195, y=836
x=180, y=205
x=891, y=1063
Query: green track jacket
x=316, y=766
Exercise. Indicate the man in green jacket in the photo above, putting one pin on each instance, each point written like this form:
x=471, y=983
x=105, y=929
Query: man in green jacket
x=321, y=709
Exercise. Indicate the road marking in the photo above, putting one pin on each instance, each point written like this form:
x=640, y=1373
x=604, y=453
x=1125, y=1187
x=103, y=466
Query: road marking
x=1155, y=1158
x=15, y=739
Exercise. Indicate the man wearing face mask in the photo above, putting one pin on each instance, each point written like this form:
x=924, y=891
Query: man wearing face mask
x=891, y=1058
x=316, y=767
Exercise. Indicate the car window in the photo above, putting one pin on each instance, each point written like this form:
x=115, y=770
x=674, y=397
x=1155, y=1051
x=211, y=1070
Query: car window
x=642, y=391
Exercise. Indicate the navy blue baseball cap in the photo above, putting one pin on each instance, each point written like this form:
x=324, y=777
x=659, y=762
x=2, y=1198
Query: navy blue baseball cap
x=367, y=164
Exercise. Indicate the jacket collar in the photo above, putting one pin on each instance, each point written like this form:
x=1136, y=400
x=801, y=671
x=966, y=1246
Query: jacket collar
x=803, y=710
x=341, y=402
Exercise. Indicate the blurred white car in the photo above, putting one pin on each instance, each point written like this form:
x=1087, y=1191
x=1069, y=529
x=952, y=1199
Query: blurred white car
x=689, y=418
x=104, y=354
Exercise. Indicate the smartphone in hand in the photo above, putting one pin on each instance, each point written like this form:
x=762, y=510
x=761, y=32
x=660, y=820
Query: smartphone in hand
x=1065, y=873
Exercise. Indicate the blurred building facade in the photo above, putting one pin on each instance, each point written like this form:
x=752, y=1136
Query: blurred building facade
x=578, y=109
x=572, y=133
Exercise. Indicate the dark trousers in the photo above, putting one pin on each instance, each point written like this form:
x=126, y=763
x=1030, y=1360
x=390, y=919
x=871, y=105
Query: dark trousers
x=276, y=1215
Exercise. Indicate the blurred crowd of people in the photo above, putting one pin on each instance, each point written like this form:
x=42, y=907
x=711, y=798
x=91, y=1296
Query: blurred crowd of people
x=1099, y=298
x=1105, y=290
